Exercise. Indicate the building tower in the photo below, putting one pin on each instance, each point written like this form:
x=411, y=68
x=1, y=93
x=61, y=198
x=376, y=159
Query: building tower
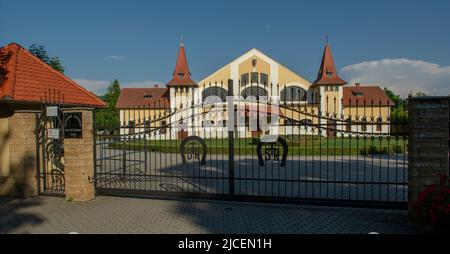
x=329, y=86
x=183, y=95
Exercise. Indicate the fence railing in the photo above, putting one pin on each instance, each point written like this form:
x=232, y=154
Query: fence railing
x=354, y=152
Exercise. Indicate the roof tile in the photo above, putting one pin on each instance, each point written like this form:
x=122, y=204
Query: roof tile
x=157, y=98
x=360, y=95
x=181, y=74
x=30, y=80
x=327, y=73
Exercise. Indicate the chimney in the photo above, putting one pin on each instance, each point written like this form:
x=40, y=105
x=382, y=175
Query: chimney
x=155, y=85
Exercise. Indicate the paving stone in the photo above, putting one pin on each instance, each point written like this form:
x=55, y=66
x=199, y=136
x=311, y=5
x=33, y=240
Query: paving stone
x=133, y=215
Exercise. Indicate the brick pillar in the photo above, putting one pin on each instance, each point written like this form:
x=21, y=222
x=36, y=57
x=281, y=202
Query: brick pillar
x=428, y=143
x=18, y=179
x=79, y=161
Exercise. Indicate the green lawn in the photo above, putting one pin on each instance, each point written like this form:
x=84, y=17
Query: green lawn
x=306, y=145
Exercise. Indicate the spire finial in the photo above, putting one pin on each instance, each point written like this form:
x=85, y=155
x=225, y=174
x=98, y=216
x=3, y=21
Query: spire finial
x=326, y=38
x=182, y=40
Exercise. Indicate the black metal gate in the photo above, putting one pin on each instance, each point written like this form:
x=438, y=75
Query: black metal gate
x=50, y=145
x=358, y=159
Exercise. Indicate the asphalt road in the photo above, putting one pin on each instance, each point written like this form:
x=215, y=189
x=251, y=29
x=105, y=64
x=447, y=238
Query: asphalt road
x=372, y=178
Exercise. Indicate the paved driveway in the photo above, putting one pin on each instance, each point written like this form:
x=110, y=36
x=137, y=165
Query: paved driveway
x=132, y=215
x=369, y=178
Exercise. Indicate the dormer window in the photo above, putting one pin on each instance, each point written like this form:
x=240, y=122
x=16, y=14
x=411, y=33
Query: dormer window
x=255, y=77
x=357, y=93
x=180, y=75
x=148, y=96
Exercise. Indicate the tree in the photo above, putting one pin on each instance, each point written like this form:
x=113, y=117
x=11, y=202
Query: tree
x=398, y=110
x=112, y=94
x=55, y=63
x=108, y=118
x=40, y=52
x=4, y=58
x=395, y=98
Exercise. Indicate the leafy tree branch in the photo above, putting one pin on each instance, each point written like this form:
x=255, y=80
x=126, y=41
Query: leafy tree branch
x=40, y=52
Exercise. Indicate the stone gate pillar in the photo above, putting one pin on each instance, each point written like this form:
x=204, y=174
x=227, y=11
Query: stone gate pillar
x=428, y=155
x=18, y=176
x=79, y=159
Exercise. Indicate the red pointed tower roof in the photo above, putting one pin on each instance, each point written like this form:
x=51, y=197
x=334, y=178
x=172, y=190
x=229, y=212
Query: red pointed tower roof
x=327, y=73
x=181, y=75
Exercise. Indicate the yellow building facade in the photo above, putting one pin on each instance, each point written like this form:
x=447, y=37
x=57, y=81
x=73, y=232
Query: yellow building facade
x=293, y=104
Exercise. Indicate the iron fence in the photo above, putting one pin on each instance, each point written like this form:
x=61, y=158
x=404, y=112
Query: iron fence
x=352, y=152
x=50, y=144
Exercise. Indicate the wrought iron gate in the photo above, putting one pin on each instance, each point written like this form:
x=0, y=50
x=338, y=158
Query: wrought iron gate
x=317, y=157
x=50, y=145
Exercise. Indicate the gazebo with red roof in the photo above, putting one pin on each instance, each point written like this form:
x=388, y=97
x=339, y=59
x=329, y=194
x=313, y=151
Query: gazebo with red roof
x=41, y=152
x=28, y=80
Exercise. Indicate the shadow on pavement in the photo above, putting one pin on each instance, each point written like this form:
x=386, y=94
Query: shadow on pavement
x=13, y=214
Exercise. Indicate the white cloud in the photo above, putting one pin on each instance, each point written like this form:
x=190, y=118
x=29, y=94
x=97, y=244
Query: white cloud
x=115, y=58
x=401, y=75
x=99, y=87
x=96, y=86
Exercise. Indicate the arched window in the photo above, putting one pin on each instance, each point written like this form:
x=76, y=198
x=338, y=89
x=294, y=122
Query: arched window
x=215, y=91
x=293, y=93
x=254, y=91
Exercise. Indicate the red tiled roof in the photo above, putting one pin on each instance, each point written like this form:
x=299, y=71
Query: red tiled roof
x=29, y=79
x=181, y=75
x=364, y=95
x=327, y=73
x=157, y=98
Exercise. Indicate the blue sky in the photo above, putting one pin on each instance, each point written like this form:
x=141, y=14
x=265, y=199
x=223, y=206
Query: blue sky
x=401, y=44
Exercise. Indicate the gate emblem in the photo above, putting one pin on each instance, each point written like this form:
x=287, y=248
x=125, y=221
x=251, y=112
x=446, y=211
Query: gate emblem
x=271, y=152
x=73, y=125
x=193, y=152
